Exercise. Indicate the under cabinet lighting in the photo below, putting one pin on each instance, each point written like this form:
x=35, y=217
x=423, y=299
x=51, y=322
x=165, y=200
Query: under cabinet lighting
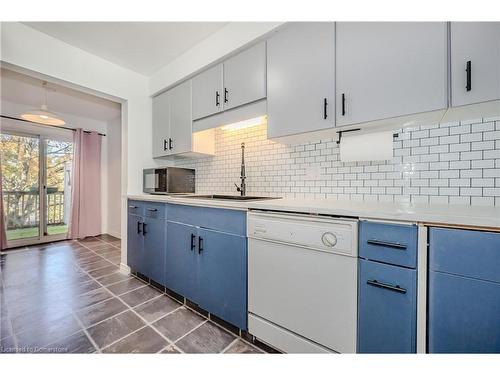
x=245, y=123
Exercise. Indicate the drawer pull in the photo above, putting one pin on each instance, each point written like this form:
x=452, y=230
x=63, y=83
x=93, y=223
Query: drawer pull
x=394, y=245
x=378, y=284
x=152, y=209
x=132, y=207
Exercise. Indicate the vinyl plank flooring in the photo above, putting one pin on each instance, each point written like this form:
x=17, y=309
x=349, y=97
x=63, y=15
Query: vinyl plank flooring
x=178, y=323
x=157, y=308
x=101, y=311
x=141, y=295
x=208, y=338
x=145, y=340
x=115, y=328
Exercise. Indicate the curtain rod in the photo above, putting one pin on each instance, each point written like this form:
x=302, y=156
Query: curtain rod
x=33, y=122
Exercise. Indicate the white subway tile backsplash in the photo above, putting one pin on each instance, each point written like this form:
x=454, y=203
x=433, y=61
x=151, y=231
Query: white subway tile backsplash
x=454, y=163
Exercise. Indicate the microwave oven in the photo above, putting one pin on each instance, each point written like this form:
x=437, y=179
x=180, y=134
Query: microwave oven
x=168, y=180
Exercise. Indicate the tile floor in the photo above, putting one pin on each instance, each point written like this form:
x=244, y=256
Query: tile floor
x=69, y=297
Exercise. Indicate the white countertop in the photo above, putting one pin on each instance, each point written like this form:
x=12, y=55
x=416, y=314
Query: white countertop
x=473, y=216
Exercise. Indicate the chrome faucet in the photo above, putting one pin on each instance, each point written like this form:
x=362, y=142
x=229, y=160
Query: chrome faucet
x=243, y=187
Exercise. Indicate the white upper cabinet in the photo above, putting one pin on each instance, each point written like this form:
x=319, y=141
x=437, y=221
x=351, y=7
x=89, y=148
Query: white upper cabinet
x=245, y=77
x=301, y=79
x=208, y=92
x=389, y=69
x=475, y=62
x=161, y=125
x=173, y=125
x=180, y=118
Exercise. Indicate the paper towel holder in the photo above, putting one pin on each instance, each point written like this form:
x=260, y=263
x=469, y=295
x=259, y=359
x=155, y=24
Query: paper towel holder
x=395, y=135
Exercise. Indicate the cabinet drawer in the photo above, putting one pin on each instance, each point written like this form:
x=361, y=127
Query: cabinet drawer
x=135, y=208
x=155, y=210
x=387, y=308
x=465, y=252
x=388, y=243
x=230, y=221
x=464, y=315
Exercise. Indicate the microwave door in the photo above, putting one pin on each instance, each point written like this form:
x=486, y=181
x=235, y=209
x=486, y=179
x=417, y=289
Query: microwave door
x=150, y=181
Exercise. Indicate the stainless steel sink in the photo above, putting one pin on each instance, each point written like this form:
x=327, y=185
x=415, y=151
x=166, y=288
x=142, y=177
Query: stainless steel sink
x=228, y=197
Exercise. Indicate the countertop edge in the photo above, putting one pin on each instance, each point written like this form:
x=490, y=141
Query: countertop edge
x=393, y=212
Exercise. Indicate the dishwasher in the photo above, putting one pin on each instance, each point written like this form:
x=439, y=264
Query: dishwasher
x=302, y=281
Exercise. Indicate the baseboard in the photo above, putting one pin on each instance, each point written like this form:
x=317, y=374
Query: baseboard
x=124, y=269
x=114, y=234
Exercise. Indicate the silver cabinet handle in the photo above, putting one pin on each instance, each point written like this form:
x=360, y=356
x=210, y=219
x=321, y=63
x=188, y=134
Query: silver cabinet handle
x=152, y=209
x=394, y=288
x=132, y=207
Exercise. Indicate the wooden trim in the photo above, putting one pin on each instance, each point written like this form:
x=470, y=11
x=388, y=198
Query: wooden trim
x=461, y=226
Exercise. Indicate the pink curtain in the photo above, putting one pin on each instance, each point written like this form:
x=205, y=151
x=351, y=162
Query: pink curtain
x=86, y=186
x=3, y=235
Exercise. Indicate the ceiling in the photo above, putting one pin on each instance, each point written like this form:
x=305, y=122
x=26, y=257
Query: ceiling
x=143, y=47
x=28, y=91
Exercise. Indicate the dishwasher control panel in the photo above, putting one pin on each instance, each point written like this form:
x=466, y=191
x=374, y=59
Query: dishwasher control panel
x=319, y=233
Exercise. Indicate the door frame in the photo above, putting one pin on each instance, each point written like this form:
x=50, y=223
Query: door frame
x=42, y=188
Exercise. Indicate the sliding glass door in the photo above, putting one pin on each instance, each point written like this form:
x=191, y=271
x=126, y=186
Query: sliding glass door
x=21, y=186
x=57, y=186
x=36, y=185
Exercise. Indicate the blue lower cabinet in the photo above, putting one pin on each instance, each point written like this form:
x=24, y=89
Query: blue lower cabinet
x=464, y=314
x=170, y=244
x=155, y=246
x=387, y=308
x=464, y=291
x=222, y=275
x=135, y=243
x=181, y=260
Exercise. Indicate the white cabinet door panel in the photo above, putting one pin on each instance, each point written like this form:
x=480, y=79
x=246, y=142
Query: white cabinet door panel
x=207, y=92
x=161, y=124
x=389, y=69
x=479, y=43
x=181, y=118
x=300, y=78
x=245, y=77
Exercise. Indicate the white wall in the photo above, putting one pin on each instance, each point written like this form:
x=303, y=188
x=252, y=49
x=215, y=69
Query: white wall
x=113, y=190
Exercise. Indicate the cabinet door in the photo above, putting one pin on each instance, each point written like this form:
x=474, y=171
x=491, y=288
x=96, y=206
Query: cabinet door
x=475, y=47
x=135, y=243
x=161, y=124
x=223, y=275
x=387, y=308
x=301, y=79
x=464, y=314
x=181, y=260
x=389, y=69
x=180, y=118
x=155, y=246
x=245, y=77
x=207, y=92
